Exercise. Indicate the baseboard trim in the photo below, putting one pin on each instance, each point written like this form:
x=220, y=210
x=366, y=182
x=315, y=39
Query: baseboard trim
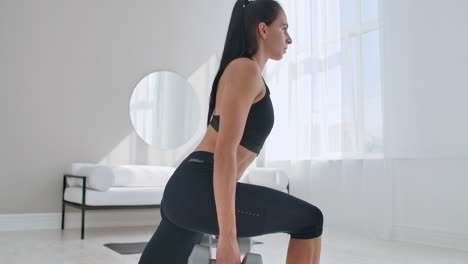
x=430, y=237
x=102, y=218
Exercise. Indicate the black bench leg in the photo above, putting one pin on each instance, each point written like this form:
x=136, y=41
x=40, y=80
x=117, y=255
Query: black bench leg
x=63, y=203
x=63, y=215
x=82, y=222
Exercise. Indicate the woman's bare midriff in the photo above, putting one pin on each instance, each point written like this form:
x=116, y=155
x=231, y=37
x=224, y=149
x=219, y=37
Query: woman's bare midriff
x=244, y=156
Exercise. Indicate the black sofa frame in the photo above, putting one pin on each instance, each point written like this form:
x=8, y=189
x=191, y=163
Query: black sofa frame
x=85, y=207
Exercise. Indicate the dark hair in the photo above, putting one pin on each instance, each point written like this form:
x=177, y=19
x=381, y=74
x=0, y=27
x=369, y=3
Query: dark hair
x=241, y=39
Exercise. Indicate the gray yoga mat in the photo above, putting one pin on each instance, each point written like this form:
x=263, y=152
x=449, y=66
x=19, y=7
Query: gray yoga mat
x=136, y=247
x=127, y=248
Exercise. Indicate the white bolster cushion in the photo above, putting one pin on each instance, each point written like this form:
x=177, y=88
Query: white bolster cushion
x=269, y=177
x=98, y=177
x=142, y=175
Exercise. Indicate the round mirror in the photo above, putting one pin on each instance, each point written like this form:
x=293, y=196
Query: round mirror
x=165, y=110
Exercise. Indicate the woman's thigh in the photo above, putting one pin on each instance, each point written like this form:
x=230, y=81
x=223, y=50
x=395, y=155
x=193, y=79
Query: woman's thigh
x=283, y=212
x=189, y=202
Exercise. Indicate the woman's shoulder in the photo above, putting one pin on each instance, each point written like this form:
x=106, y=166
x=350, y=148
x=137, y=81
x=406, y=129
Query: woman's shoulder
x=242, y=61
x=242, y=67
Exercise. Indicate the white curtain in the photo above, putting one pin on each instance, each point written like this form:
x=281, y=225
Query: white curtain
x=326, y=90
x=326, y=93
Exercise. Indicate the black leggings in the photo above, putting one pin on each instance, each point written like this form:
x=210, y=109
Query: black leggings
x=188, y=210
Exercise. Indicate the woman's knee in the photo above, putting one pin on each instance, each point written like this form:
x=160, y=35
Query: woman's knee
x=317, y=215
x=312, y=225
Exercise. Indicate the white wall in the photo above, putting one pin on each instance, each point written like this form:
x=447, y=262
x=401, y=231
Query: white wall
x=425, y=57
x=67, y=71
x=425, y=122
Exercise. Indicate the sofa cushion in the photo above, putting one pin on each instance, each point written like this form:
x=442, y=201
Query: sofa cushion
x=98, y=177
x=141, y=175
x=116, y=196
x=102, y=177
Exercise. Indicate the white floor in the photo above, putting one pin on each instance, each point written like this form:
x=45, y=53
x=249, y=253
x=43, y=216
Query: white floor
x=65, y=247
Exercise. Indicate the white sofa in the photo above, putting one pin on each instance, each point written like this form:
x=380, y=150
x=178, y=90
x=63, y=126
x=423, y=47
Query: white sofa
x=93, y=186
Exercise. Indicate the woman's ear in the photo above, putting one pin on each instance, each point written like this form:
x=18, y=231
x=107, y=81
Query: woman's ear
x=262, y=29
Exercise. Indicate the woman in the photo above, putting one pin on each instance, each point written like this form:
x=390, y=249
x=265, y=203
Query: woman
x=203, y=195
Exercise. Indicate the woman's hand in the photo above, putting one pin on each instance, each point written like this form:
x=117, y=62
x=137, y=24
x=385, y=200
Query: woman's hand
x=227, y=250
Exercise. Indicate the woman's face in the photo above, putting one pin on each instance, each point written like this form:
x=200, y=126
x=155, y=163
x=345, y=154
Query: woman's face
x=278, y=37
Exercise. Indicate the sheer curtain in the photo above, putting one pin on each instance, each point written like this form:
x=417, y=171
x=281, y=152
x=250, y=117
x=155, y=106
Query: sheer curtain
x=326, y=93
x=326, y=90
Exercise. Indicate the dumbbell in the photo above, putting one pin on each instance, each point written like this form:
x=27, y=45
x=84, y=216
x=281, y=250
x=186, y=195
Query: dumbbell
x=245, y=243
x=202, y=255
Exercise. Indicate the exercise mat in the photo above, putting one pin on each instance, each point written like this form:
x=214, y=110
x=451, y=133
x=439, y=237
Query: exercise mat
x=127, y=248
x=137, y=247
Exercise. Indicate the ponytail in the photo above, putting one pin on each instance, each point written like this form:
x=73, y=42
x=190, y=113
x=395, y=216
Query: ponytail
x=241, y=39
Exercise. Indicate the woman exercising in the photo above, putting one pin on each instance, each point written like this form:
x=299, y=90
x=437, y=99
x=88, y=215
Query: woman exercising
x=203, y=195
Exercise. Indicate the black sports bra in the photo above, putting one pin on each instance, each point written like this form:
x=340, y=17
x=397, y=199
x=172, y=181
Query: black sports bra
x=258, y=125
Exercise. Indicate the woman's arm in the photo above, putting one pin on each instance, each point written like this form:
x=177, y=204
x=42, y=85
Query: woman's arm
x=241, y=80
x=224, y=184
